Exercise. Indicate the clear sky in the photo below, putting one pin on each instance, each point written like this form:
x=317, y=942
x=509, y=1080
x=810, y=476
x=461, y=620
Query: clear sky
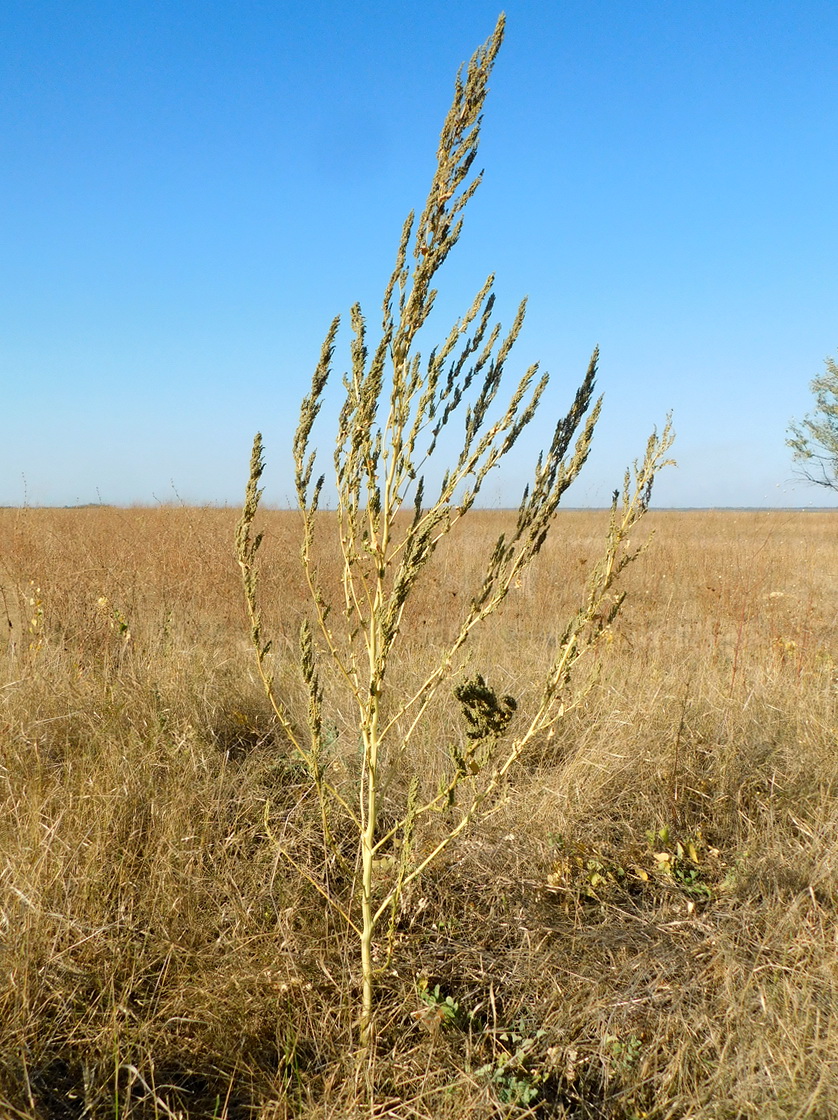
x=191, y=189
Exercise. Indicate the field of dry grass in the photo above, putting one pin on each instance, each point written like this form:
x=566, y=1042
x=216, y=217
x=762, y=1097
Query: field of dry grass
x=646, y=925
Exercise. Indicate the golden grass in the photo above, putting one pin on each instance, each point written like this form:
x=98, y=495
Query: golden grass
x=645, y=927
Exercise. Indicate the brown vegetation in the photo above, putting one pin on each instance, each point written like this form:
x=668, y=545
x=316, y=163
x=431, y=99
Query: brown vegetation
x=646, y=925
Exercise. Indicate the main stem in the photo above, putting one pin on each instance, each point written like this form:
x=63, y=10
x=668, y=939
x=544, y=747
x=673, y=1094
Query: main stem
x=367, y=853
x=369, y=797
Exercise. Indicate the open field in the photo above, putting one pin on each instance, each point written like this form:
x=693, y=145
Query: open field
x=646, y=926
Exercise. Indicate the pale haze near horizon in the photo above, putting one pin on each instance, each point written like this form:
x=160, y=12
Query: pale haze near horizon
x=190, y=193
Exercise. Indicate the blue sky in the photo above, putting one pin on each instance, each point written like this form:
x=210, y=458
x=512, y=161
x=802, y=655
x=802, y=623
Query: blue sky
x=190, y=191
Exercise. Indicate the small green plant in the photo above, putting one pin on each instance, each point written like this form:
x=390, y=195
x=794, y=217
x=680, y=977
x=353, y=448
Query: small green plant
x=115, y=618
x=623, y=1054
x=389, y=521
x=583, y=868
x=684, y=862
x=438, y=1010
x=516, y=1077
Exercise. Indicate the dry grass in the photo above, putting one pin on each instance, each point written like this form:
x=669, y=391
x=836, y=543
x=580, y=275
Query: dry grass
x=645, y=928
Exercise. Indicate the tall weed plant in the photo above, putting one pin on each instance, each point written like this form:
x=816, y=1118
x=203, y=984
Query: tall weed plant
x=390, y=521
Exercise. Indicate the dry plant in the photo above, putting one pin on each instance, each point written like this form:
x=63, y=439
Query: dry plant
x=390, y=522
